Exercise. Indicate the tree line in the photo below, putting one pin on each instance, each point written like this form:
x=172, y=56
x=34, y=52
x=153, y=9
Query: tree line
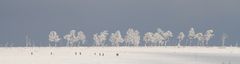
x=132, y=38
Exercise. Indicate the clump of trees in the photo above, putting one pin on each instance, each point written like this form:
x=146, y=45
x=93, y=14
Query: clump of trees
x=133, y=38
x=158, y=38
x=53, y=38
x=116, y=38
x=100, y=38
x=74, y=39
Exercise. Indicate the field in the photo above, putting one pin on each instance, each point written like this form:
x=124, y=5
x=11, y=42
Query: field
x=120, y=55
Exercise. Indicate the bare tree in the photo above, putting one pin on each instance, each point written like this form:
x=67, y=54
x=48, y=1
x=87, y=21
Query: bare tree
x=128, y=38
x=158, y=39
x=208, y=35
x=164, y=37
x=96, y=39
x=28, y=41
x=67, y=37
x=132, y=37
x=148, y=38
x=71, y=38
x=53, y=37
x=100, y=38
x=103, y=37
x=81, y=38
x=191, y=35
x=180, y=38
x=224, y=37
x=116, y=38
x=167, y=35
x=201, y=38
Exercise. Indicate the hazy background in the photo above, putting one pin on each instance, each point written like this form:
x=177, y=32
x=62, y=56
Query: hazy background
x=37, y=18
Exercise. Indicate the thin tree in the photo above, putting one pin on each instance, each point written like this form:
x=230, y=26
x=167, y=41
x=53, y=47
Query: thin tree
x=191, y=35
x=81, y=38
x=73, y=37
x=96, y=39
x=28, y=41
x=67, y=37
x=223, y=38
x=129, y=37
x=136, y=39
x=180, y=38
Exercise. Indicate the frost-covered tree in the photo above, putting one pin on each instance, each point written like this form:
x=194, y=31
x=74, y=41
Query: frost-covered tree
x=53, y=37
x=132, y=37
x=28, y=41
x=128, y=38
x=116, y=38
x=103, y=37
x=201, y=38
x=164, y=36
x=73, y=37
x=136, y=39
x=159, y=36
x=191, y=35
x=100, y=38
x=96, y=39
x=223, y=38
x=81, y=38
x=180, y=38
x=148, y=38
x=167, y=35
x=208, y=35
x=67, y=37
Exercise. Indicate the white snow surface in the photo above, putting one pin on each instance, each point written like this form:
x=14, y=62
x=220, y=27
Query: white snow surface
x=127, y=55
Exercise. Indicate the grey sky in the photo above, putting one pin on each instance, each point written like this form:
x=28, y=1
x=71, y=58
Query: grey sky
x=38, y=17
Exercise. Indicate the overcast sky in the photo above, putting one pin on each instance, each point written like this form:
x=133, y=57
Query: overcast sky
x=38, y=17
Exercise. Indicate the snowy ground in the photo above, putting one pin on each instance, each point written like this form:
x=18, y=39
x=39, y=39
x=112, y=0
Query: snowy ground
x=127, y=55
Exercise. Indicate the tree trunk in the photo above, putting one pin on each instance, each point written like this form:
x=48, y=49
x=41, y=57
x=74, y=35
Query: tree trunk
x=179, y=43
x=55, y=44
x=190, y=42
x=145, y=44
x=206, y=43
x=49, y=44
x=78, y=43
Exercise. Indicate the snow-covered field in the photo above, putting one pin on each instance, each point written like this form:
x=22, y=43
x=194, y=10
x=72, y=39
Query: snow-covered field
x=127, y=55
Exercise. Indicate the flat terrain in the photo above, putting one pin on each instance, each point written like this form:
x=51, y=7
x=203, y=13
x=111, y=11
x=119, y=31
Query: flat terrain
x=126, y=55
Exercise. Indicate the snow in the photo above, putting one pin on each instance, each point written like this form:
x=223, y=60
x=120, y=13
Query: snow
x=127, y=55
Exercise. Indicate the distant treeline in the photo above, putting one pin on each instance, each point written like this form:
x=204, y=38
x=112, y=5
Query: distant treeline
x=131, y=38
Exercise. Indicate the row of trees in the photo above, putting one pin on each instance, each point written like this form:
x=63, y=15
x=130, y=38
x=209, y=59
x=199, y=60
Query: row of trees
x=72, y=38
x=158, y=38
x=132, y=38
x=202, y=38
